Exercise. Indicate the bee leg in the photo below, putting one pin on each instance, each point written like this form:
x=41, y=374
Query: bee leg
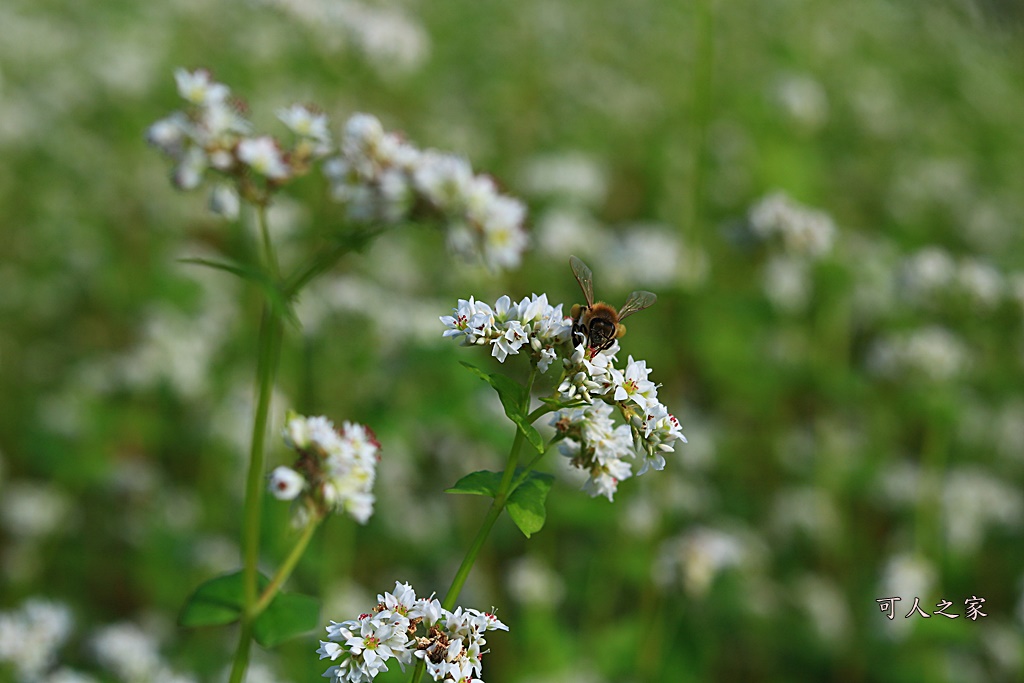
x=620, y=330
x=575, y=311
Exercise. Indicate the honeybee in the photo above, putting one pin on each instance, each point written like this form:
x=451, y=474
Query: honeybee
x=599, y=323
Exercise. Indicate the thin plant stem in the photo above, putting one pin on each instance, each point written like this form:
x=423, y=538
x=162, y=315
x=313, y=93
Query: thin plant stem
x=286, y=568
x=268, y=247
x=497, y=505
x=298, y=280
x=241, y=660
x=928, y=528
x=703, y=82
x=268, y=356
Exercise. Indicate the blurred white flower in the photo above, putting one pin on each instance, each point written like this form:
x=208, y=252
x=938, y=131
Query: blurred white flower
x=381, y=177
x=197, y=87
x=306, y=123
x=533, y=582
x=66, y=675
x=566, y=230
x=128, y=651
x=906, y=576
x=806, y=510
x=801, y=230
x=30, y=510
x=31, y=636
x=933, y=353
x=392, y=40
x=804, y=99
x=981, y=282
x=826, y=607
x=698, y=556
x=974, y=501
x=651, y=255
x=338, y=466
x=926, y=274
x=263, y=156
x=224, y=201
x=571, y=177
x=787, y=282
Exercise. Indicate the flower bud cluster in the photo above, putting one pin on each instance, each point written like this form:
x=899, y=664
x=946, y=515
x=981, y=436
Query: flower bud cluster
x=402, y=627
x=803, y=231
x=211, y=134
x=590, y=438
x=379, y=176
x=531, y=324
x=336, y=468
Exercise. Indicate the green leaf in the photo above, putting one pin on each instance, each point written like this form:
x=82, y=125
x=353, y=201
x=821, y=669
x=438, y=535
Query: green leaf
x=218, y=601
x=511, y=393
x=287, y=615
x=526, y=504
x=482, y=483
x=244, y=272
x=513, y=397
x=476, y=371
x=279, y=301
x=558, y=404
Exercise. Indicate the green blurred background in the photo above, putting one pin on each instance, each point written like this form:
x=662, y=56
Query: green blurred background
x=855, y=421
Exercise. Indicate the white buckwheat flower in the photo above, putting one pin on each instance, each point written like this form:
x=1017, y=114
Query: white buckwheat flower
x=803, y=231
x=31, y=636
x=263, y=156
x=197, y=87
x=591, y=385
x=306, y=123
x=336, y=468
x=401, y=627
x=381, y=177
x=286, y=483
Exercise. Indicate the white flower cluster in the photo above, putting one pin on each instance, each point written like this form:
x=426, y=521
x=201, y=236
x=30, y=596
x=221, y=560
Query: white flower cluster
x=381, y=177
x=698, y=556
x=336, y=468
x=931, y=275
x=590, y=437
x=132, y=654
x=377, y=175
x=403, y=627
x=533, y=324
x=932, y=352
x=212, y=134
x=31, y=636
x=803, y=231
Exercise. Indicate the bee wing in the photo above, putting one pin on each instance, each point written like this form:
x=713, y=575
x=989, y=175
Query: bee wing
x=637, y=301
x=585, y=277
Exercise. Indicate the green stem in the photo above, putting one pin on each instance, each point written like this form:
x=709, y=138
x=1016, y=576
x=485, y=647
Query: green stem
x=356, y=240
x=241, y=661
x=497, y=505
x=268, y=247
x=286, y=568
x=703, y=82
x=928, y=527
x=505, y=487
x=266, y=367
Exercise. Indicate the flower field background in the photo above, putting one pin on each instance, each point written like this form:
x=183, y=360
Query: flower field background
x=828, y=201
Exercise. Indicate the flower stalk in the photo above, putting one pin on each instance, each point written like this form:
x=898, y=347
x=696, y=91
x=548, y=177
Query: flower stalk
x=269, y=353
